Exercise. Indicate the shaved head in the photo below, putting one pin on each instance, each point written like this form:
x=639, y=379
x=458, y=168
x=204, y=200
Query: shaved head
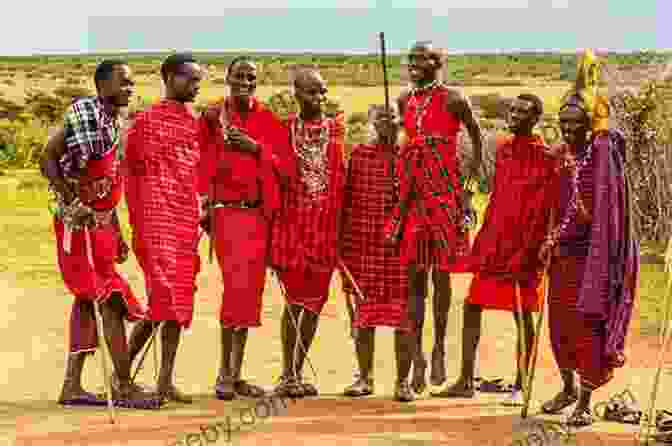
x=306, y=77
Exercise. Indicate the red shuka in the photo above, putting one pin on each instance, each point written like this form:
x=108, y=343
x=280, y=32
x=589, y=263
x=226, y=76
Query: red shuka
x=504, y=255
x=227, y=174
x=436, y=213
x=305, y=230
x=375, y=265
x=162, y=155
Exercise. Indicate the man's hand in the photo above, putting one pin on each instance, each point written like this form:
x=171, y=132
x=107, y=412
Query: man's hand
x=238, y=138
x=122, y=255
x=474, y=168
x=204, y=222
x=546, y=252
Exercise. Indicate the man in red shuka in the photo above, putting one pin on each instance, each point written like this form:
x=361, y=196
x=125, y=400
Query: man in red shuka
x=371, y=191
x=305, y=231
x=82, y=165
x=244, y=147
x=163, y=154
x=430, y=221
x=504, y=256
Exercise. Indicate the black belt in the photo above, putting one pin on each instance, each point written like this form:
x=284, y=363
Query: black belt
x=241, y=204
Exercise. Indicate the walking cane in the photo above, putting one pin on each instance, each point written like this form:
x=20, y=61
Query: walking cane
x=665, y=337
x=527, y=393
x=103, y=347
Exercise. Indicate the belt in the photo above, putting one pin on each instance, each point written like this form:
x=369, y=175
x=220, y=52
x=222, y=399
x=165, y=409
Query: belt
x=241, y=204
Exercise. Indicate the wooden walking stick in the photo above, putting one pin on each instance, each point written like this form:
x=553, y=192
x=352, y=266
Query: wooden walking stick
x=527, y=394
x=665, y=337
x=383, y=60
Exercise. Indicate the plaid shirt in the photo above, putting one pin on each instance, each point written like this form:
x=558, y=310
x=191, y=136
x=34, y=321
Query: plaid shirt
x=90, y=133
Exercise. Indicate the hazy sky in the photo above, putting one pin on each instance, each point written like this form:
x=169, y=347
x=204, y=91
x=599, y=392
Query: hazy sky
x=335, y=25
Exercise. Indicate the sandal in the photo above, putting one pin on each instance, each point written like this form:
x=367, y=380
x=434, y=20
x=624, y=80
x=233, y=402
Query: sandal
x=289, y=387
x=559, y=402
x=621, y=408
x=493, y=386
x=243, y=388
x=580, y=418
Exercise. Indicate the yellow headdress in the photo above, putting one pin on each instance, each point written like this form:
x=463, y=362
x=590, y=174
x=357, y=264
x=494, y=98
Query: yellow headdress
x=585, y=94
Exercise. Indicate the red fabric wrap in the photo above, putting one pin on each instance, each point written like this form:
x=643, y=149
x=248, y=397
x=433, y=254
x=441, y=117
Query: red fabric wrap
x=162, y=154
x=435, y=213
x=376, y=266
x=516, y=220
x=307, y=288
x=577, y=340
x=305, y=231
x=499, y=293
x=89, y=272
x=228, y=174
x=102, y=174
x=241, y=243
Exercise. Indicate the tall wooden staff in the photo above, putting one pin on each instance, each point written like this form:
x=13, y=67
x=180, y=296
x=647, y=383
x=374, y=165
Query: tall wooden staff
x=383, y=61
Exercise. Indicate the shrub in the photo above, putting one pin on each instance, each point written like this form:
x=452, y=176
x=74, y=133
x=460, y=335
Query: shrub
x=21, y=143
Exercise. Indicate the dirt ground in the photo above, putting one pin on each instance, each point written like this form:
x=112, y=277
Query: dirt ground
x=33, y=356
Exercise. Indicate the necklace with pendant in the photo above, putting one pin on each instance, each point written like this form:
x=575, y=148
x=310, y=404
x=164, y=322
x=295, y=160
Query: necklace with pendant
x=421, y=108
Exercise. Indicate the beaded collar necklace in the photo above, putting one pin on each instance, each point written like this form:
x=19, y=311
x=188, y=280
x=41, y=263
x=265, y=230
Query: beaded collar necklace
x=311, y=150
x=421, y=108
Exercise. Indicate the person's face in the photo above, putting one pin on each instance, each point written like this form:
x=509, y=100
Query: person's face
x=118, y=89
x=242, y=79
x=422, y=65
x=573, y=125
x=522, y=116
x=311, y=93
x=185, y=84
x=386, y=123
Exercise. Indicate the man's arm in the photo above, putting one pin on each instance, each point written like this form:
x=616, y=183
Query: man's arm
x=401, y=102
x=50, y=167
x=459, y=105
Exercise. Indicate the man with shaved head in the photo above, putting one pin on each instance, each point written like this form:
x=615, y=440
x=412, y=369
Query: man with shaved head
x=430, y=221
x=304, y=237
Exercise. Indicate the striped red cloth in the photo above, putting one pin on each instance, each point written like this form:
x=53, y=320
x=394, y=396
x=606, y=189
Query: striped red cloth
x=376, y=266
x=306, y=228
x=433, y=228
x=577, y=340
x=162, y=156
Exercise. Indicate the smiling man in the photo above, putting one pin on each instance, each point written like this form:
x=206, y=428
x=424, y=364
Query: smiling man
x=82, y=165
x=304, y=245
x=162, y=154
x=245, y=155
x=504, y=255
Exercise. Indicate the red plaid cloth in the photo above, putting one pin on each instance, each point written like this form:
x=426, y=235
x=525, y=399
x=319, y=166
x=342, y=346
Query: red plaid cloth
x=306, y=229
x=162, y=156
x=433, y=234
x=516, y=220
x=375, y=265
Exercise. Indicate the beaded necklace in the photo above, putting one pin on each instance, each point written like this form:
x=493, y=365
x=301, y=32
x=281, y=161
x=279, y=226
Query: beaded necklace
x=311, y=150
x=421, y=108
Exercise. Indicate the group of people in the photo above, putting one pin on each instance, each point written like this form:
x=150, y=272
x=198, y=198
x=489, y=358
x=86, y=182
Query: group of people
x=278, y=194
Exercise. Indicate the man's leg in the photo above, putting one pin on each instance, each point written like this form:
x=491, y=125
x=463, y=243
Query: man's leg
x=140, y=334
x=224, y=387
x=365, y=346
x=471, y=336
x=82, y=336
x=307, y=328
x=441, y=306
x=404, y=349
x=516, y=397
x=288, y=384
x=417, y=288
x=241, y=386
x=115, y=336
x=170, y=341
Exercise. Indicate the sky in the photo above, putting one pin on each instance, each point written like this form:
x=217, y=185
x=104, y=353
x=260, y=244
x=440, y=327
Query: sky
x=80, y=26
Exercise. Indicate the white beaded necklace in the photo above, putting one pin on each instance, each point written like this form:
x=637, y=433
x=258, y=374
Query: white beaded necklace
x=312, y=154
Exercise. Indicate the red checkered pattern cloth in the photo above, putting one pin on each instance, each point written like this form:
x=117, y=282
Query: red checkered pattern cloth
x=375, y=265
x=306, y=229
x=435, y=216
x=162, y=155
